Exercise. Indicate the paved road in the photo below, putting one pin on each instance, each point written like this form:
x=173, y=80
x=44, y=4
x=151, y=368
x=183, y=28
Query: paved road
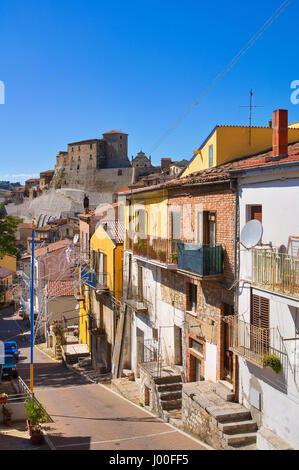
x=90, y=416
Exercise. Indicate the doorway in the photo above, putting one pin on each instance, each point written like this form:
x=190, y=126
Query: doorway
x=228, y=355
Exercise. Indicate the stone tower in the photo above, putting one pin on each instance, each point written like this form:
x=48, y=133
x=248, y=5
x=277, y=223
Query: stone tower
x=116, y=149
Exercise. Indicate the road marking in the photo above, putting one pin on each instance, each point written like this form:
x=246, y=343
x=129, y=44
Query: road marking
x=198, y=441
x=144, y=436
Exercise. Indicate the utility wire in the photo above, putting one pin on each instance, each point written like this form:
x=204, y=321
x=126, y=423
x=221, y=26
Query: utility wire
x=236, y=58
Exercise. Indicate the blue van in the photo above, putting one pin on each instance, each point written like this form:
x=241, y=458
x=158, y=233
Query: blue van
x=11, y=347
x=9, y=368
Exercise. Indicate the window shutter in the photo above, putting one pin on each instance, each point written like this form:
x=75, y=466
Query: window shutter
x=176, y=225
x=200, y=227
x=260, y=311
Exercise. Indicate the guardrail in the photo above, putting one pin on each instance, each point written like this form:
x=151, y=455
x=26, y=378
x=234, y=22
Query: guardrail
x=276, y=271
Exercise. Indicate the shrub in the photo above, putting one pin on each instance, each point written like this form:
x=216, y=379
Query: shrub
x=35, y=412
x=272, y=361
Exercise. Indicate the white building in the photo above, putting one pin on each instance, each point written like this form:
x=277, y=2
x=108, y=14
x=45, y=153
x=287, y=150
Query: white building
x=266, y=329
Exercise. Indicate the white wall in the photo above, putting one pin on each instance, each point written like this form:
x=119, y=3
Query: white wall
x=160, y=314
x=279, y=392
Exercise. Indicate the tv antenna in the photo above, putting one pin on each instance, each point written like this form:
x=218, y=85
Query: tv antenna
x=251, y=106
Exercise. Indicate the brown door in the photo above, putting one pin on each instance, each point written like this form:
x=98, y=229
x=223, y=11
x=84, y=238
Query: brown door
x=228, y=355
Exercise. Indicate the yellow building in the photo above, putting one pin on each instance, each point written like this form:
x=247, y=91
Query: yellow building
x=6, y=280
x=101, y=292
x=9, y=262
x=227, y=143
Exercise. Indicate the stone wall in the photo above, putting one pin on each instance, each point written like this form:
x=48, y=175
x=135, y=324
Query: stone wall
x=197, y=421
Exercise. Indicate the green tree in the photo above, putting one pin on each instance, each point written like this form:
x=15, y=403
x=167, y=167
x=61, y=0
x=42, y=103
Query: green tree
x=8, y=228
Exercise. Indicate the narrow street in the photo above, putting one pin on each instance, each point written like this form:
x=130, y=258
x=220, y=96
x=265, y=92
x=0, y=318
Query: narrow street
x=89, y=416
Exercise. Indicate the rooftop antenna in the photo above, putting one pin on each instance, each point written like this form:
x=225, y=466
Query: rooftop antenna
x=250, y=113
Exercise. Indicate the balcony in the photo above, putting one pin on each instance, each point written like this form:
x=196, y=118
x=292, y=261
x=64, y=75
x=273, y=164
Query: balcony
x=200, y=259
x=95, y=280
x=152, y=248
x=254, y=343
x=276, y=272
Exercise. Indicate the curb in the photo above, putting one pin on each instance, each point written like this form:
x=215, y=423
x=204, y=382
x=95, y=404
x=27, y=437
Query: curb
x=80, y=373
x=48, y=440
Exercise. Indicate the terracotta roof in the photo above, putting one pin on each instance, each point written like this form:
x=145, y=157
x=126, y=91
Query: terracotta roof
x=115, y=230
x=24, y=225
x=114, y=131
x=60, y=288
x=123, y=190
x=52, y=247
x=4, y=272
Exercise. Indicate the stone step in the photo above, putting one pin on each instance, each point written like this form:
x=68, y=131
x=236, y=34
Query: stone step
x=224, y=392
x=169, y=379
x=171, y=404
x=170, y=387
x=229, y=416
x=170, y=395
x=238, y=440
x=238, y=427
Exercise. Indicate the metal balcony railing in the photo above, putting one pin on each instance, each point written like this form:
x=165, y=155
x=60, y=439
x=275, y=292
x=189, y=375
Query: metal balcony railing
x=151, y=247
x=254, y=343
x=201, y=259
x=276, y=271
x=95, y=280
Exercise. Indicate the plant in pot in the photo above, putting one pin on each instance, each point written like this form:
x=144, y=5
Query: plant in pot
x=270, y=360
x=7, y=413
x=3, y=398
x=36, y=415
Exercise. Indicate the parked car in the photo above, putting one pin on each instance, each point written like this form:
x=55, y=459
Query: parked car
x=9, y=368
x=11, y=347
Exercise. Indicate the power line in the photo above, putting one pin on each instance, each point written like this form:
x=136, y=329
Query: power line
x=236, y=58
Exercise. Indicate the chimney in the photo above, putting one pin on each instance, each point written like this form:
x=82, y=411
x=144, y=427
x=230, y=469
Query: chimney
x=270, y=124
x=280, y=132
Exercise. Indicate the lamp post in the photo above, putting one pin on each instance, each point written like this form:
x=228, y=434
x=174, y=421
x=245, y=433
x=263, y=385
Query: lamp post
x=32, y=310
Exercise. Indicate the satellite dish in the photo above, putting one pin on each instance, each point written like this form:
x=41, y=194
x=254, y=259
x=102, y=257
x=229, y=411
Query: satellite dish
x=75, y=239
x=251, y=234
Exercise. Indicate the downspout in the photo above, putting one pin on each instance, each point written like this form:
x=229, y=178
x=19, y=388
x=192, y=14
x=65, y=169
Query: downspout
x=234, y=187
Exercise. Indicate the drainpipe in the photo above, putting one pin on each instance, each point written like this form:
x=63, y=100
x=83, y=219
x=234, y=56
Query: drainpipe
x=234, y=187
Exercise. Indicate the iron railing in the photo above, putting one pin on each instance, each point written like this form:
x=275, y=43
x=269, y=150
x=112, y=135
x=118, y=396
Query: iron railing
x=255, y=344
x=151, y=247
x=94, y=279
x=186, y=254
x=201, y=259
x=152, y=359
x=276, y=271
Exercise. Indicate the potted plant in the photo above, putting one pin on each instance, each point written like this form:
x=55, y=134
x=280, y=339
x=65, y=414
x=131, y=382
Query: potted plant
x=272, y=361
x=35, y=416
x=7, y=413
x=3, y=398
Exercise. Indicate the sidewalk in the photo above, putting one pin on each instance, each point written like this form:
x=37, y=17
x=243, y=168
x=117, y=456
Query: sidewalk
x=17, y=438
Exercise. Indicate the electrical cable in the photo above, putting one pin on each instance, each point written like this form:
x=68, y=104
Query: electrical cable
x=229, y=66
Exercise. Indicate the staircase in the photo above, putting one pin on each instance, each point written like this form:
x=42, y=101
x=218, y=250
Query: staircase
x=169, y=392
x=234, y=424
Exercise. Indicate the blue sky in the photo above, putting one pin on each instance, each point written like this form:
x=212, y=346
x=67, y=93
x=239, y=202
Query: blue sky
x=74, y=69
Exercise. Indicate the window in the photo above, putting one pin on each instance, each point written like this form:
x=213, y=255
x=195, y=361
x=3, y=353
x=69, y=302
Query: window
x=260, y=321
x=198, y=347
x=206, y=228
x=120, y=172
x=191, y=297
x=254, y=212
x=90, y=146
x=120, y=137
x=90, y=157
x=211, y=155
x=175, y=225
x=79, y=148
x=140, y=283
